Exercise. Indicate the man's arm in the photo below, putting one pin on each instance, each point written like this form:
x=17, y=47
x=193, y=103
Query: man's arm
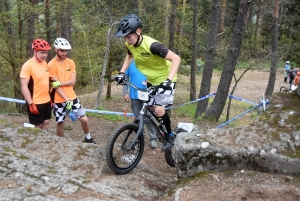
x=25, y=90
x=125, y=89
x=70, y=82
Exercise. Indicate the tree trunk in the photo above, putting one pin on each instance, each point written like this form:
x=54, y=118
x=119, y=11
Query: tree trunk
x=221, y=26
x=274, y=56
x=194, y=52
x=233, y=89
x=217, y=106
x=66, y=24
x=257, y=18
x=13, y=40
x=262, y=18
x=108, y=73
x=48, y=24
x=209, y=59
x=30, y=29
x=102, y=76
x=181, y=27
x=172, y=25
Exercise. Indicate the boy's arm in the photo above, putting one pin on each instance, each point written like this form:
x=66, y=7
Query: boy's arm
x=127, y=62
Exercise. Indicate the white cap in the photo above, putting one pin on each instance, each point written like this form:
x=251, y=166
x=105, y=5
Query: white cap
x=287, y=62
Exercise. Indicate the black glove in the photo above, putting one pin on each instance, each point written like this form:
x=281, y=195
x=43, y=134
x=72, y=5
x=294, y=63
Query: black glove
x=120, y=78
x=166, y=84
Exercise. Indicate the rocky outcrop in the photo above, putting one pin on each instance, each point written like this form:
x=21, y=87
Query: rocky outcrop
x=269, y=145
x=37, y=165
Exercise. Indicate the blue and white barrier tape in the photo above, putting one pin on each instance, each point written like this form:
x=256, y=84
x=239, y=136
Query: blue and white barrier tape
x=12, y=100
x=108, y=112
x=240, y=99
x=202, y=98
x=87, y=110
x=131, y=114
x=234, y=118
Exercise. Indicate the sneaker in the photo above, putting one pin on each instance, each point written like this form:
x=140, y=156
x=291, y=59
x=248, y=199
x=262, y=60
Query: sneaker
x=153, y=143
x=91, y=140
x=168, y=142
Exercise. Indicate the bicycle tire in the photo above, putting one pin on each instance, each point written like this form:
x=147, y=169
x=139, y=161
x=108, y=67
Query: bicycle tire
x=169, y=157
x=284, y=89
x=119, y=159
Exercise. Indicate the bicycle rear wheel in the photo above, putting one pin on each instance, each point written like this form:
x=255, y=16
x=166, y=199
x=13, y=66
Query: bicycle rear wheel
x=120, y=158
x=284, y=89
x=169, y=157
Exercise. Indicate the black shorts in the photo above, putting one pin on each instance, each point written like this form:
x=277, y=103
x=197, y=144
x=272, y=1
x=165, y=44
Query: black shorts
x=45, y=113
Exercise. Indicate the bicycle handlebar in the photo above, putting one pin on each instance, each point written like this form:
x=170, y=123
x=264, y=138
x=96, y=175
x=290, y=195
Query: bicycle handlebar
x=143, y=94
x=149, y=89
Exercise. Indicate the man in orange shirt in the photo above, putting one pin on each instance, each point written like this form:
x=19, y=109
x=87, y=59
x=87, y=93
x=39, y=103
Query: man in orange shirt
x=35, y=85
x=63, y=76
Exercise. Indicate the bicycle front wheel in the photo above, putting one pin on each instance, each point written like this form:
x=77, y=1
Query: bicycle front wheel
x=121, y=157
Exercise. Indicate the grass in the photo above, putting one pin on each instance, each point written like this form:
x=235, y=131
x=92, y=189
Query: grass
x=237, y=107
x=110, y=117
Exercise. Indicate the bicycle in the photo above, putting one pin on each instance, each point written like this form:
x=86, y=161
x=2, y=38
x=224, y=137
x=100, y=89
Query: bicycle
x=284, y=89
x=293, y=89
x=125, y=146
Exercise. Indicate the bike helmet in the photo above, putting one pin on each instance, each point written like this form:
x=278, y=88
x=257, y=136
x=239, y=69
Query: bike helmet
x=40, y=44
x=287, y=62
x=61, y=43
x=128, y=25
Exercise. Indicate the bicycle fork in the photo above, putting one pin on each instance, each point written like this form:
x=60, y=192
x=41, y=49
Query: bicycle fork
x=140, y=121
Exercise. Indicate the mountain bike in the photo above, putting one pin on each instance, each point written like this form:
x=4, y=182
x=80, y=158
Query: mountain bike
x=125, y=146
x=293, y=89
x=284, y=89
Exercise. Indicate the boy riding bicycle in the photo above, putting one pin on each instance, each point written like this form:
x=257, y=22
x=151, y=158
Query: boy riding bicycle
x=156, y=62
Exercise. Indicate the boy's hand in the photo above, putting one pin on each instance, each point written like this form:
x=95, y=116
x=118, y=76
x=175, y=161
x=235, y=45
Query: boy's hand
x=120, y=78
x=166, y=84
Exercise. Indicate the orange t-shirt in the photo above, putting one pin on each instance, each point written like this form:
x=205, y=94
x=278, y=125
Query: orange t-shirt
x=296, y=80
x=38, y=76
x=63, y=72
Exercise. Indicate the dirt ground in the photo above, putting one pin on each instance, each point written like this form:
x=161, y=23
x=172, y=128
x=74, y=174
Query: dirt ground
x=250, y=88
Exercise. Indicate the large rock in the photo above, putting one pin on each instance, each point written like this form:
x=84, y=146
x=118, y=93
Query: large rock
x=37, y=165
x=270, y=145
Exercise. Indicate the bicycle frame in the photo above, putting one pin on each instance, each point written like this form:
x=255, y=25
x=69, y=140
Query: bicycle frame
x=126, y=145
x=146, y=115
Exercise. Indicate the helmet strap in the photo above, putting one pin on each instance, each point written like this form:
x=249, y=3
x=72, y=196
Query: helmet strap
x=137, y=41
x=35, y=54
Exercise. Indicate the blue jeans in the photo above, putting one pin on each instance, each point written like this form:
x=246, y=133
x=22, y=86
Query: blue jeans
x=136, y=106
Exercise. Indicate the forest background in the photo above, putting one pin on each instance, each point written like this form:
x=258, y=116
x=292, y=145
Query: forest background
x=227, y=35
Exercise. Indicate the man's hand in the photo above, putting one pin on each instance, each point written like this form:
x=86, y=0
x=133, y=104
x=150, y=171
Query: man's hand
x=33, y=109
x=56, y=84
x=69, y=105
x=166, y=84
x=120, y=78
